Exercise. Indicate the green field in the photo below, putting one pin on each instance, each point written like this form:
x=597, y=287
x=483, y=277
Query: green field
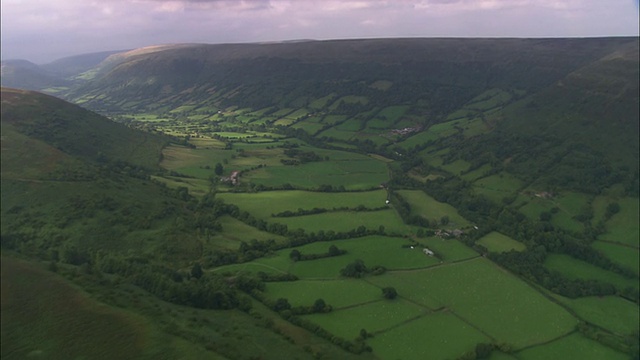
x=487, y=297
x=436, y=336
x=613, y=313
x=623, y=226
x=345, y=221
x=578, y=269
x=574, y=346
x=429, y=208
x=628, y=257
x=280, y=201
x=374, y=317
x=496, y=242
x=306, y=292
x=496, y=187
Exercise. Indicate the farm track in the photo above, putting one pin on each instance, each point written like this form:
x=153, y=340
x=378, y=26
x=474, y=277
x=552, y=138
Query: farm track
x=436, y=265
x=619, y=244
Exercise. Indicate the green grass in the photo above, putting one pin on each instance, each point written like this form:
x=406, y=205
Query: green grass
x=578, y=269
x=373, y=250
x=496, y=187
x=449, y=250
x=428, y=207
x=345, y=221
x=574, y=346
x=357, y=174
x=293, y=200
x=235, y=231
x=613, y=313
x=306, y=292
x=373, y=317
x=623, y=226
x=44, y=316
x=622, y=255
x=496, y=242
x=493, y=300
x=457, y=167
x=435, y=336
x=393, y=113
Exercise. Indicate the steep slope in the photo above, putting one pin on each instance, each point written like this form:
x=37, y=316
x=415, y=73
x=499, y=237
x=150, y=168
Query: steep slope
x=75, y=131
x=27, y=75
x=442, y=73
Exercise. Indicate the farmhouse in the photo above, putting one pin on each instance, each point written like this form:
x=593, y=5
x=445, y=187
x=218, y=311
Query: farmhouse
x=234, y=178
x=427, y=252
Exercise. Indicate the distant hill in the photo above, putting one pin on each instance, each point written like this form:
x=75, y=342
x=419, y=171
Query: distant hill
x=442, y=73
x=64, y=130
x=27, y=75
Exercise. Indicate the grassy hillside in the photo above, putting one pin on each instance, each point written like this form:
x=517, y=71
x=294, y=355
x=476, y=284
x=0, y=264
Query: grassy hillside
x=418, y=188
x=76, y=131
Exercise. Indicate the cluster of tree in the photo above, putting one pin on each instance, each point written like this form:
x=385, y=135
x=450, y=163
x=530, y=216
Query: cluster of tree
x=303, y=212
x=296, y=255
x=358, y=269
x=302, y=156
x=484, y=351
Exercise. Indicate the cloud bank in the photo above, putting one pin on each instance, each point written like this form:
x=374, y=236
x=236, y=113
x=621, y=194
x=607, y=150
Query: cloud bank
x=43, y=31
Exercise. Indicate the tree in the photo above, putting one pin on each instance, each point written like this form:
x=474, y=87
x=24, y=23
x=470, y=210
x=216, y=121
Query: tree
x=281, y=304
x=196, y=271
x=218, y=169
x=389, y=293
x=295, y=255
x=319, y=306
x=334, y=251
x=444, y=220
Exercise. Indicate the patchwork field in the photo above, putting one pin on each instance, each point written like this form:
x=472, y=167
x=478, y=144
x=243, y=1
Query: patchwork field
x=496, y=242
x=578, y=269
x=429, y=208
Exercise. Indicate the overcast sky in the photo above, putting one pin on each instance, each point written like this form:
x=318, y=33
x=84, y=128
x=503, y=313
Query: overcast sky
x=45, y=30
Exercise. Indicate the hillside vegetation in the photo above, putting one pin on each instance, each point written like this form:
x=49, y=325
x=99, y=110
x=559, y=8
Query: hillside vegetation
x=335, y=199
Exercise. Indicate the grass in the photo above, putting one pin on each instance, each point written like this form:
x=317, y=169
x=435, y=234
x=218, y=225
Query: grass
x=293, y=200
x=497, y=242
x=623, y=226
x=622, y=255
x=235, y=231
x=435, y=336
x=44, y=316
x=428, y=207
x=306, y=292
x=449, y=250
x=348, y=220
x=373, y=250
x=574, y=346
x=489, y=298
x=496, y=187
x=613, y=313
x=578, y=269
x=374, y=317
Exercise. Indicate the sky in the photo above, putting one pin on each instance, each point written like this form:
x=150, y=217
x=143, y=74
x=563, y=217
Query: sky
x=44, y=30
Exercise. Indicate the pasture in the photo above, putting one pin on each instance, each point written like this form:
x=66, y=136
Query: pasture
x=375, y=317
x=348, y=220
x=573, y=346
x=628, y=257
x=623, y=226
x=429, y=208
x=613, y=313
x=578, y=269
x=484, y=295
x=497, y=242
x=338, y=293
x=235, y=231
x=496, y=187
x=292, y=200
x=440, y=335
